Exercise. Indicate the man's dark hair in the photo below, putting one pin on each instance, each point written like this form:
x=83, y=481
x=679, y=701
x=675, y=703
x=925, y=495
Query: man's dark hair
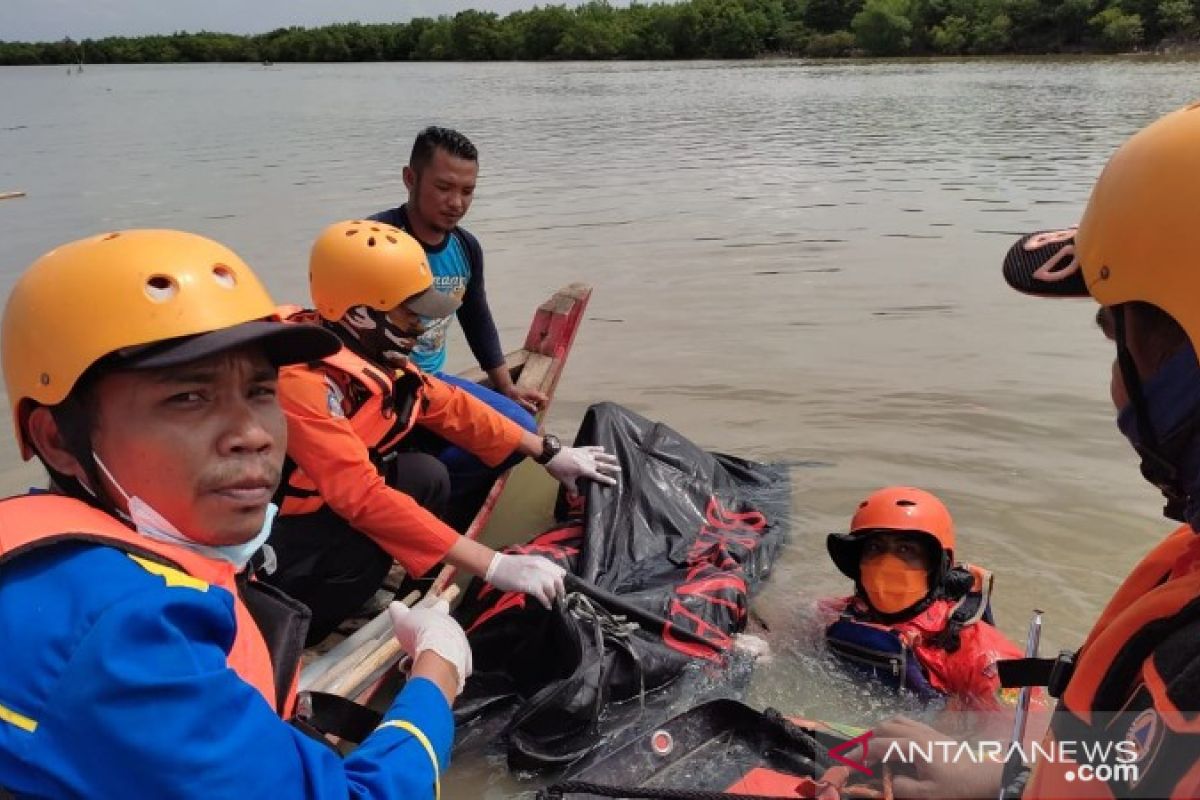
x=434, y=138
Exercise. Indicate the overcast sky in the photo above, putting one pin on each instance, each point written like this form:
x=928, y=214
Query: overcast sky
x=50, y=20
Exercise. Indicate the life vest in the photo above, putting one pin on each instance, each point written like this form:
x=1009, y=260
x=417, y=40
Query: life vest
x=270, y=626
x=383, y=408
x=1134, y=681
x=901, y=655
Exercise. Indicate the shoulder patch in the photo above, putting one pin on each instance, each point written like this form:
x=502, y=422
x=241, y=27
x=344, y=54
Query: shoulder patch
x=170, y=575
x=335, y=398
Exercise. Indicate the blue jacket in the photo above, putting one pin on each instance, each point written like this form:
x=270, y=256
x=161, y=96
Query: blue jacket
x=114, y=683
x=457, y=260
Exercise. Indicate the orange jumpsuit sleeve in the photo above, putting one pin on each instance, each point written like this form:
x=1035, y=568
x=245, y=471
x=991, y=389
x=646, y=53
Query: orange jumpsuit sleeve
x=326, y=447
x=470, y=423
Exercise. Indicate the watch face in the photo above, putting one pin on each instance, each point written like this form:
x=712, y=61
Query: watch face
x=550, y=448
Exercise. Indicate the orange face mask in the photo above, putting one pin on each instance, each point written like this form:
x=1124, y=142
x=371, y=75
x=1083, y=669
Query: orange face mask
x=891, y=584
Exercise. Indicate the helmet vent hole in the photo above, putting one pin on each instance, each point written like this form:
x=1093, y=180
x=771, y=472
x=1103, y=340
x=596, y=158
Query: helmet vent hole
x=391, y=239
x=371, y=241
x=905, y=503
x=352, y=232
x=110, y=237
x=224, y=276
x=161, y=288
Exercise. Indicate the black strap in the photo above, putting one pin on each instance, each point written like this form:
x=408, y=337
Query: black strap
x=334, y=714
x=1053, y=673
x=1017, y=673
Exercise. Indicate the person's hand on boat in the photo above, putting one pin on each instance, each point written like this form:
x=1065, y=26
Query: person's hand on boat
x=572, y=463
x=939, y=777
x=532, y=575
x=431, y=630
x=532, y=400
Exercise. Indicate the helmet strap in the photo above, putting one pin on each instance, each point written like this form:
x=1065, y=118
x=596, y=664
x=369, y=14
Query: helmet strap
x=74, y=427
x=1155, y=465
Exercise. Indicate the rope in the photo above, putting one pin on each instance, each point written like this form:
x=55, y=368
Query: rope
x=607, y=626
x=794, y=732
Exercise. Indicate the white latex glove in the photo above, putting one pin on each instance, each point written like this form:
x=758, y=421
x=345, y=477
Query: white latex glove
x=572, y=463
x=421, y=629
x=532, y=575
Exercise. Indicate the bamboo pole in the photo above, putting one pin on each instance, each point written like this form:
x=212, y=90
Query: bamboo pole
x=372, y=662
x=345, y=663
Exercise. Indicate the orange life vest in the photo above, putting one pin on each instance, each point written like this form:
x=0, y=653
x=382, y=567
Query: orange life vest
x=1134, y=681
x=38, y=520
x=384, y=408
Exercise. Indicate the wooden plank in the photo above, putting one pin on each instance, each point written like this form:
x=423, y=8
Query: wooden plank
x=515, y=360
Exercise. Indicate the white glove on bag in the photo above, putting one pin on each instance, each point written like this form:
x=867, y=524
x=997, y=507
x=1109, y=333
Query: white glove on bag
x=532, y=575
x=421, y=629
x=572, y=463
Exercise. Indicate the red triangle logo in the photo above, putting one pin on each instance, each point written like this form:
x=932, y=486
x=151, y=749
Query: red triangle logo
x=836, y=751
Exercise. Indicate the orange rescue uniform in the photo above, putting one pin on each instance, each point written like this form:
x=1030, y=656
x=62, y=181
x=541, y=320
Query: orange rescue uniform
x=345, y=415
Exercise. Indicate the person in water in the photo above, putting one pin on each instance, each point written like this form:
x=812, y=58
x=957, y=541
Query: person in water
x=918, y=620
x=1135, y=680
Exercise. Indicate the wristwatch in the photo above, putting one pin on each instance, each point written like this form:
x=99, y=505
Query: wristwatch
x=551, y=447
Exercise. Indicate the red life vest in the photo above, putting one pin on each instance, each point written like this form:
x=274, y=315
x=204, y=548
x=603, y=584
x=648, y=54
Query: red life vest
x=1134, y=682
x=37, y=520
x=383, y=410
x=909, y=655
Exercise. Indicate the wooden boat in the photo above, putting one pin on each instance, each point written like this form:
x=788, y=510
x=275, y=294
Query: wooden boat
x=354, y=664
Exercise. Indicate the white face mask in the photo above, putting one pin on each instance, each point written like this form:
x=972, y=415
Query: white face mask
x=153, y=525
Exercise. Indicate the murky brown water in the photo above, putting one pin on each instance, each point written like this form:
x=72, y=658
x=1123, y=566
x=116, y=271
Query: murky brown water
x=791, y=261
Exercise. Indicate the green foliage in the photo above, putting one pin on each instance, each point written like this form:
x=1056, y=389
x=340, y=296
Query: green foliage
x=830, y=16
x=1117, y=30
x=991, y=36
x=883, y=28
x=831, y=45
x=1176, y=16
x=666, y=30
x=952, y=35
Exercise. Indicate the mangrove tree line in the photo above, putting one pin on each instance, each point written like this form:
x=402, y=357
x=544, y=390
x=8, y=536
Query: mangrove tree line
x=685, y=30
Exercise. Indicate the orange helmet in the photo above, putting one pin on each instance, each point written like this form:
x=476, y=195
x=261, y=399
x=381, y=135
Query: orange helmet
x=368, y=263
x=149, y=297
x=899, y=509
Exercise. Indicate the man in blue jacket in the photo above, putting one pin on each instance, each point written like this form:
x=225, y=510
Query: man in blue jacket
x=139, y=658
x=440, y=178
